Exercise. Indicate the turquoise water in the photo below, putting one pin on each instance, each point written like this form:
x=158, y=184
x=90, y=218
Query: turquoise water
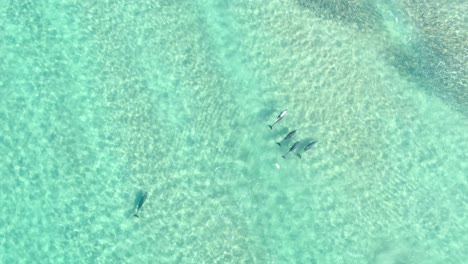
x=101, y=100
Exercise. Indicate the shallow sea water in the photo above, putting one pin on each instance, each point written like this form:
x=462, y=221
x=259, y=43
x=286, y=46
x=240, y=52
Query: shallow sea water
x=99, y=101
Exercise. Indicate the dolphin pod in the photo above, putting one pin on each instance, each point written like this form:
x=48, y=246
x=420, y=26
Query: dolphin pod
x=290, y=135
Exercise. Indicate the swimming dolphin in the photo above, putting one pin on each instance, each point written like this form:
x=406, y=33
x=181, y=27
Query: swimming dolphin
x=309, y=146
x=293, y=147
x=280, y=116
x=140, y=203
x=290, y=135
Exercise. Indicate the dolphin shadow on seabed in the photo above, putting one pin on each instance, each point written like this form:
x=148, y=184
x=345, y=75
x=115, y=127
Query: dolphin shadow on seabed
x=265, y=114
x=140, y=199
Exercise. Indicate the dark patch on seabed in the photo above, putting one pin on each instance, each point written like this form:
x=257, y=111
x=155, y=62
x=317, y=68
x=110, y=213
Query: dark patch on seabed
x=363, y=14
x=434, y=74
x=433, y=59
x=440, y=61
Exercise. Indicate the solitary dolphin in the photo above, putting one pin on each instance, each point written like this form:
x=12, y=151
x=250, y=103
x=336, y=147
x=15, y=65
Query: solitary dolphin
x=293, y=147
x=290, y=135
x=280, y=116
x=309, y=146
x=140, y=203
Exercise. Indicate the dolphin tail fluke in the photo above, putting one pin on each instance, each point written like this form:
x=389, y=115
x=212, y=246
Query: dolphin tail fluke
x=271, y=127
x=279, y=143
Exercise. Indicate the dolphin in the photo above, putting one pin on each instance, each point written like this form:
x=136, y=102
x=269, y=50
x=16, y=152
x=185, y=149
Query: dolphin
x=140, y=203
x=290, y=135
x=293, y=147
x=280, y=116
x=309, y=146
